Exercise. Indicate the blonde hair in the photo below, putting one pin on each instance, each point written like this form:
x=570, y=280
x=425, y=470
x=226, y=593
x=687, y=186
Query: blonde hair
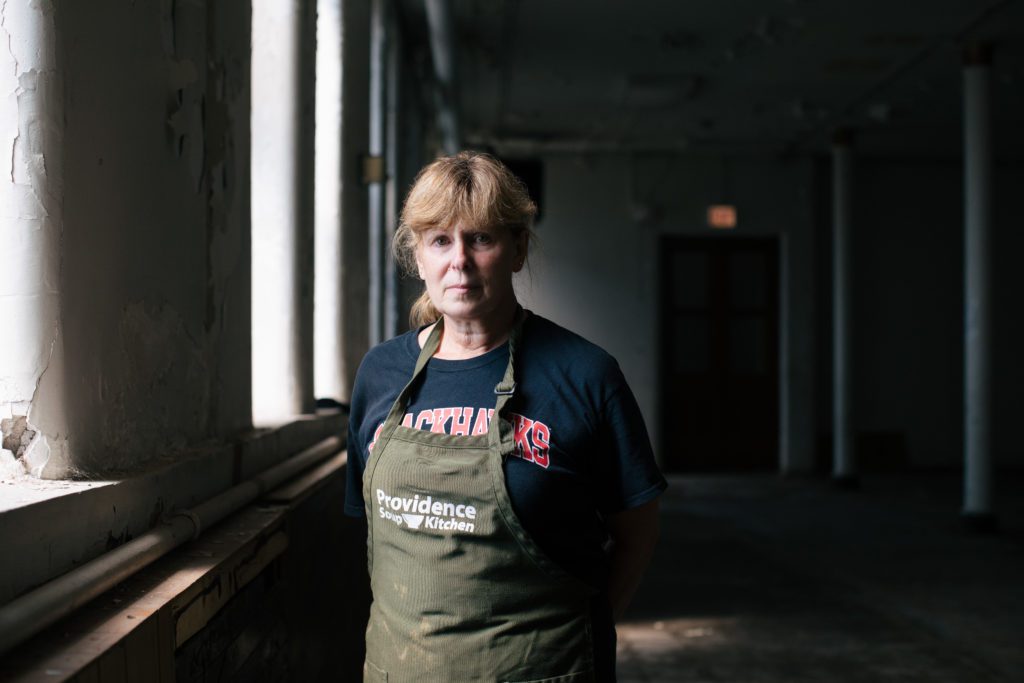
x=468, y=187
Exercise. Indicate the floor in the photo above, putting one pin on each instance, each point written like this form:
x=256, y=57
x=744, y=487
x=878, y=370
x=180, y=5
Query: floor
x=765, y=579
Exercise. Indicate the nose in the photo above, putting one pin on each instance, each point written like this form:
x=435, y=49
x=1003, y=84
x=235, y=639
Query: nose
x=459, y=255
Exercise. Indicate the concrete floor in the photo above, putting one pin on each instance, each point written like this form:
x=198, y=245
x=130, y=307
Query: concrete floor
x=764, y=579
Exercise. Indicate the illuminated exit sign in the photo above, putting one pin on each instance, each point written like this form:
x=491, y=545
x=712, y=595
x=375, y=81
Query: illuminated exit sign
x=722, y=216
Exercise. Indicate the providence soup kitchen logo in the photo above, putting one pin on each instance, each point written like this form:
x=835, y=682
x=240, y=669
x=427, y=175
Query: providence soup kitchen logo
x=426, y=513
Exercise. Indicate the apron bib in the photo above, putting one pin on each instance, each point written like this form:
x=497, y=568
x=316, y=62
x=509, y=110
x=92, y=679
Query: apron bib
x=460, y=591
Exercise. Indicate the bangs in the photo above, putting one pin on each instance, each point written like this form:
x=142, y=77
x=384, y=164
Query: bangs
x=444, y=200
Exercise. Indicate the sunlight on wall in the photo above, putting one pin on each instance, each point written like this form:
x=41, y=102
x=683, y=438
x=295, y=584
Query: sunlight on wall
x=327, y=338
x=275, y=325
x=32, y=416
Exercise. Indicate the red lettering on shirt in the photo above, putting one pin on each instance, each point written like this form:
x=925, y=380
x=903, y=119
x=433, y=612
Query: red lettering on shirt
x=441, y=417
x=376, y=434
x=424, y=417
x=483, y=418
x=522, y=426
x=462, y=420
x=542, y=439
x=532, y=437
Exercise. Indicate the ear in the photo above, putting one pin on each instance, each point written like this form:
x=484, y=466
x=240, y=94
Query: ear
x=419, y=266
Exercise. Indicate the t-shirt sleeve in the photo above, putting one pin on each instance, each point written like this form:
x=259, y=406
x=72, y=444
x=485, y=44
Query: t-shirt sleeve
x=354, y=477
x=356, y=457
x=630, y=476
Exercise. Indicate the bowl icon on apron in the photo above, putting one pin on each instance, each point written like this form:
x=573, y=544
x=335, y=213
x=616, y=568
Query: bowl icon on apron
x=413, y=521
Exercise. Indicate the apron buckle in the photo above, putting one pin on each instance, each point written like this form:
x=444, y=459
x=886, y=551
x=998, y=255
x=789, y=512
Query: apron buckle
x=505, y=389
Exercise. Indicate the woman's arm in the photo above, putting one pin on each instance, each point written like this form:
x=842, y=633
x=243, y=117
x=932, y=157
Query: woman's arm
x=634, y=534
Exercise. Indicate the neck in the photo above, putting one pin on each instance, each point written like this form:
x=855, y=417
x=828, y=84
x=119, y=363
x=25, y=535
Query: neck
x=468, y=338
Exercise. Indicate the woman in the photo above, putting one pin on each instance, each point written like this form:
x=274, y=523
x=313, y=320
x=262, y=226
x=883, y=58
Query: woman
x=495, y=455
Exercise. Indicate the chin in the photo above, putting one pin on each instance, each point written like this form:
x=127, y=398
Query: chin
x=466, y=308
x=463, y=311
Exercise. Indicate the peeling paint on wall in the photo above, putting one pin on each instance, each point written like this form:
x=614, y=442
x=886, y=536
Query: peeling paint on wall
x=16, y=434
x=31, y=194
x=127, y=289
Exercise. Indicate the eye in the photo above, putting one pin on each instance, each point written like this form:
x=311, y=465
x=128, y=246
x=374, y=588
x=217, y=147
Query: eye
x=439, y=240
x=483, y=238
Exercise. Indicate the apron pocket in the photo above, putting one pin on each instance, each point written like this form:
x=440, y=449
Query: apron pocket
x=578, y=677
x=373, y=673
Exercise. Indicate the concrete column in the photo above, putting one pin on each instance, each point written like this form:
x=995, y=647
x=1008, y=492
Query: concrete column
x=355, y=131
x=843, y=464
x=797, y=338
x=283, y=95
x=977, y=287
x=441, y=23
x=32, y=395
x=411, y=159
x=378, y=133
x=328, y=340
x=393, y=191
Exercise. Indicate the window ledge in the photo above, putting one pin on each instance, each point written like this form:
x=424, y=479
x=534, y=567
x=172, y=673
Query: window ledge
x=50, y=527
x=140, y=627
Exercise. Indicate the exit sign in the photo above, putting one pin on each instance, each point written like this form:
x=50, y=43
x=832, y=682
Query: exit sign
x=722, y=216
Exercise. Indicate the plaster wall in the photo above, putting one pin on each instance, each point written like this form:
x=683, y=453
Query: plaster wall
x=595, y=268
x=154, y=257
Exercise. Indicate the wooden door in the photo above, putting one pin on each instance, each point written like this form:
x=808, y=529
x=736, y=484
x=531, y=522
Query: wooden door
x=719, y=354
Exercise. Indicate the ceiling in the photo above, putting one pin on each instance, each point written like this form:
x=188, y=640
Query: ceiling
x=744, y=76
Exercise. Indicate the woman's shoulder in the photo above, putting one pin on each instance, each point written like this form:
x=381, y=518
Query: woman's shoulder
x=394, y=355
x=566, y=348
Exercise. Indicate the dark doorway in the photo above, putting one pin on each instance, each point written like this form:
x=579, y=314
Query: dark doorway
x=719, y=354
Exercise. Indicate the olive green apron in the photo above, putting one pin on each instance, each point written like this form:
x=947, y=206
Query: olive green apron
x=460, y=591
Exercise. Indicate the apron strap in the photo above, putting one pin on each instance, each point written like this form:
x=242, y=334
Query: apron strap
x=500, y=433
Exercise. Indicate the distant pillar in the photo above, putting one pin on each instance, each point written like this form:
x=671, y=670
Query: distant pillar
x=441, y=23
x=377, y=181
x=977, y=508
x=392, y=172
x=843, y=464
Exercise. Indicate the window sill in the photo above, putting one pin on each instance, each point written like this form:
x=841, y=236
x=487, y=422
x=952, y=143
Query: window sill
x=48, y=528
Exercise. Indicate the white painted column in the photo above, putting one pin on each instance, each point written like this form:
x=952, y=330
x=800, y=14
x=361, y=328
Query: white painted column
x=327, y=320
x=282, y=219
x=977, y=286
x=843, y=465
x=32, y=394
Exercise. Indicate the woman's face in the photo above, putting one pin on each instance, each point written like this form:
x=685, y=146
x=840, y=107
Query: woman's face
x=468, y=270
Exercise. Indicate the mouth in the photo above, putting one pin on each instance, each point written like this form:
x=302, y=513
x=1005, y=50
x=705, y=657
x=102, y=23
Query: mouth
x=460, y=288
